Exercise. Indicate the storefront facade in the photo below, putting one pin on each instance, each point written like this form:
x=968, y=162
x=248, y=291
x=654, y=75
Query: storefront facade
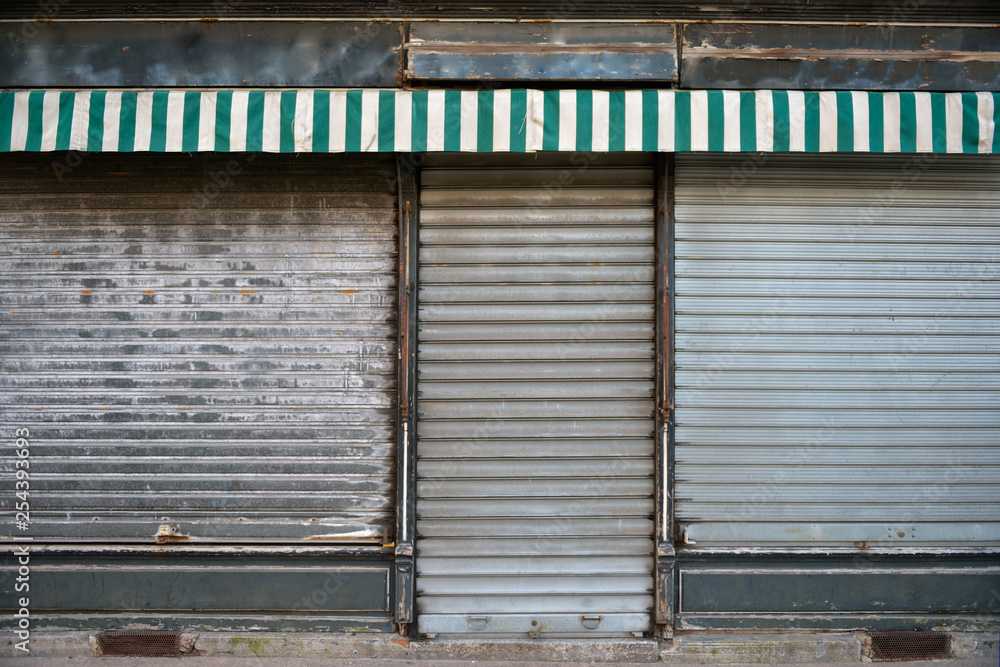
x=514, y=361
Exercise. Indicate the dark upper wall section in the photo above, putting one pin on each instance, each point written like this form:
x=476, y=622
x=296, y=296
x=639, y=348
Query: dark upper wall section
x=739, y=56
x=613, y=52
x=387, y=54
x=201, y=54
x=907, y=11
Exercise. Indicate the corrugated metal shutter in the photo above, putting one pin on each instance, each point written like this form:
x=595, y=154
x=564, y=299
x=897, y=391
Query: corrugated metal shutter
x=535, y=397
x=838, y=350
x=206, y=342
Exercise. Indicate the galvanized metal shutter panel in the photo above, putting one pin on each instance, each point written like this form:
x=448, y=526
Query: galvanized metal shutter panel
x=838, y=350
x=535, y=398
x=222, y=358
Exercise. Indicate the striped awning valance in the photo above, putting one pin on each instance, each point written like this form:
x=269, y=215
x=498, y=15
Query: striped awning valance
x=518, y=120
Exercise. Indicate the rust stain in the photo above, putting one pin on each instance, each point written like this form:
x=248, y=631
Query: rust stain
x=55, y=253
x=405, y=643
x=597, y=263
x=348, y=291
x=149, y=291
x=13, y=312
x=172, y=539
x=86, y=291
x=248, y=291
x=861, y=546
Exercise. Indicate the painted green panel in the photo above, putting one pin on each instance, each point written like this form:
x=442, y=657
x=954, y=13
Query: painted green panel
x=218, y=622
x=203, y=586
x=869, y=591
x=970, y=622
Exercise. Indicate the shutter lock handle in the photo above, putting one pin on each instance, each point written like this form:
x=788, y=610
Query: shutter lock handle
x=591, y=622
x=477, y=622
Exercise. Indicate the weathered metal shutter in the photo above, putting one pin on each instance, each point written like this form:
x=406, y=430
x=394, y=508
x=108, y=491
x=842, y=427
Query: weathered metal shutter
x=203, y=343
x=535, y=397
x=838, y=350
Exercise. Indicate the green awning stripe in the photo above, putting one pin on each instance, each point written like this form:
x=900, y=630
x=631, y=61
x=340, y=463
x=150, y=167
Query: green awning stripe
x=95, y=132
x=876, y=123
x=36, y=99
x=994, y=127
x=452, y=131
x=518, y=120
x=192, y=121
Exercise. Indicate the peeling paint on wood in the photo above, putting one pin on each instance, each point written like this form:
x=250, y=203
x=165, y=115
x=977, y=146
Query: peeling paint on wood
x=542, y=52
x=741, y=56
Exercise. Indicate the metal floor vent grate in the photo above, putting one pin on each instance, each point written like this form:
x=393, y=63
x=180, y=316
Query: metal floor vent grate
x=904, y=645
x=139, y=644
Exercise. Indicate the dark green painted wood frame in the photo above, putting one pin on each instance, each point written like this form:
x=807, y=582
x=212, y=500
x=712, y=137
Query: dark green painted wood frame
x=664, y=463
x=407, y=171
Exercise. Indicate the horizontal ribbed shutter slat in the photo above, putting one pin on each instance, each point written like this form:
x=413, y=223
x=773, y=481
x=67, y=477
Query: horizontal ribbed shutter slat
x=837, y=366
x=223, y=360
x=535, y=399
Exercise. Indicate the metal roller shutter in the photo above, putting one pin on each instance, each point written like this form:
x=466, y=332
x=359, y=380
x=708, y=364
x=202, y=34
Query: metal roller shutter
x=535, y=397
x=203, y=343
x=838, y=350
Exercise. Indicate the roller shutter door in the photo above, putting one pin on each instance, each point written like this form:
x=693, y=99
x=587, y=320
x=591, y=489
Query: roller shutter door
x=202, y=343
x=838, y=350
x=535, y=398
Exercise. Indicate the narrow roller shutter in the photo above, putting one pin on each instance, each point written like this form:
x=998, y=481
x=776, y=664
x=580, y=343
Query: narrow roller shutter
x=535, y=398
x=838, y=350
x=205, y=343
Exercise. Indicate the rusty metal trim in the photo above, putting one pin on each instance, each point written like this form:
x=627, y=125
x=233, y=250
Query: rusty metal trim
x=138, y=643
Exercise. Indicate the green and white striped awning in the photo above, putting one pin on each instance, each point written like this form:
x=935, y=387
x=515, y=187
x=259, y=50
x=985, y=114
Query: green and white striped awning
x=322, y=121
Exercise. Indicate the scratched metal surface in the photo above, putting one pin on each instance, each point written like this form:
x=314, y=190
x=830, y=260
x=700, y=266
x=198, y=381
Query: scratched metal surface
x=535, y=398
x=838, y=350
x=221, y=359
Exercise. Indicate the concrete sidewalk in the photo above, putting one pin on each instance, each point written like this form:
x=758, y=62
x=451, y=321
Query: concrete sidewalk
x=267, y=649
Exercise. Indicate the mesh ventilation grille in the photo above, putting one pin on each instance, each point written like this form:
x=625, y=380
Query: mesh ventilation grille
x=902, y=645
x=139, y=644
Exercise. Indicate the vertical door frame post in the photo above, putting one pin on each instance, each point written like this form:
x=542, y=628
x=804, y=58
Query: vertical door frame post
x=665, y=538
x=407, y=167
